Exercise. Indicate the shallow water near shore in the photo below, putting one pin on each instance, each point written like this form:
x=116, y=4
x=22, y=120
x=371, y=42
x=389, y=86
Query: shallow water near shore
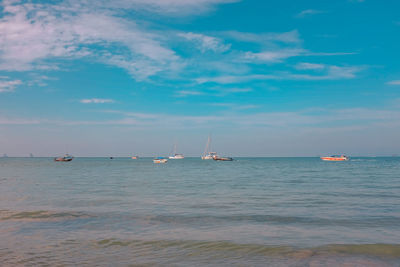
x=249, y=212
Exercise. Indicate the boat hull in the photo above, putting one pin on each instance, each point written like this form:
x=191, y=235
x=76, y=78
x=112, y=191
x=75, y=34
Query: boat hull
x=222, y=159
x=63, y=159
x=177, y=157
x=160, y=160
x=334, y=159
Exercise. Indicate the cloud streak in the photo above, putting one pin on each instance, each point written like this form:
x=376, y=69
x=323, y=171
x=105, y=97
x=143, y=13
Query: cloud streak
x=395, y=82
x=96, y=101
x=308, y=12
x=206, y=43
x=7, y=86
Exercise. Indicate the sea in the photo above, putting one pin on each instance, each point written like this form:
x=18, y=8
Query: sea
x=193, y=212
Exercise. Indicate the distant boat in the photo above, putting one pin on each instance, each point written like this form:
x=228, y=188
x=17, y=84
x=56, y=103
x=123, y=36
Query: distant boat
x=176, y=155
x=335, y=158
x=135, y=157
x=207, y=153
x=222, y=158
x=5, y=155
x=160, y=160
x=31, y=155
x=65, y=158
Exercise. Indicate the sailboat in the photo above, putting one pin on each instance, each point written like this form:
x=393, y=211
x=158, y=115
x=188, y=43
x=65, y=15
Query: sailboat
x=207, y=153
x=176, y=155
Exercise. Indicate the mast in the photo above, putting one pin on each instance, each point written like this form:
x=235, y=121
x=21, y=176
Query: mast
x=207, y=149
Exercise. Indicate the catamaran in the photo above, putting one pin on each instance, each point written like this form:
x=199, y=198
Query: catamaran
x=207, y=153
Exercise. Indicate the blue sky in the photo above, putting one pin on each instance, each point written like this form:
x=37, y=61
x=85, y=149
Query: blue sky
x=266, y=78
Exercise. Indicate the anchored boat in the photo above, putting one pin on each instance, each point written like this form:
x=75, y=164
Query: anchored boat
x=222, y=158
x=207, y=153
x=335, y=158
x=160, y=160
x=65, y=158
x=176, y=155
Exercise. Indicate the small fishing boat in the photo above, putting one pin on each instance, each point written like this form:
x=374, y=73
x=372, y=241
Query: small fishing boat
x=222, y=158
x=135, y=157
x=65, y=158
x=160, y=160
x=335, y=158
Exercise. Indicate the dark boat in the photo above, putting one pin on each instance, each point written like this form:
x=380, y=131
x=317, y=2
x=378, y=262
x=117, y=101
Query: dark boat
x=222, y=158
x=65, y=158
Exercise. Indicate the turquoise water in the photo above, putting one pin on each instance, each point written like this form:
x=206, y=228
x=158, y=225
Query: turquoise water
x=249, y=212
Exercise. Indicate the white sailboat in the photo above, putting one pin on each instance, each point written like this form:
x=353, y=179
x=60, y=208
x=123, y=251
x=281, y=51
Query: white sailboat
x=176, y=155
x=207, y=153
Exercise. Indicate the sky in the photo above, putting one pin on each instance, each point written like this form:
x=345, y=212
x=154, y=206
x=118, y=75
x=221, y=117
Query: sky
x=263, y=78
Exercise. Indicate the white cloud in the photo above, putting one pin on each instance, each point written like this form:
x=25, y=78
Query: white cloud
x=395, y=82
x=184, y=93
x=229, y=79
x=308, y=12
x=262, y=38
x=96, y=101
x=273, y=56
x=309, y=66
x=205, y=42
x=165, y=7
x=31, y=34
x=8, y=86
x=331, y=72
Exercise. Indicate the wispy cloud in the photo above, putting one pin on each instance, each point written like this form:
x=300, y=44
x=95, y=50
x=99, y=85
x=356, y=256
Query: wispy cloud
x=230, y=79
x=395, y=82
x=164, y=7
x=205, y=42
x=8, y=85
x=273, y=56
x=96, y=101
x=185, y=93
x=330, y=72
x=308, y=12
x=309, y=66
x=262, y=38
x=33, y=34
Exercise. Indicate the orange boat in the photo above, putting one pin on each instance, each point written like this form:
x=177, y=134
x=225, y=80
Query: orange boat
x=335, y=158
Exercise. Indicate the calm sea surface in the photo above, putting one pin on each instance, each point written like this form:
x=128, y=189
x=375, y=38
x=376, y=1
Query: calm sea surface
x=249, y=212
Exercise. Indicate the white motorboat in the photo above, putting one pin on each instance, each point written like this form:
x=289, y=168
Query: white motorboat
x=160, y=160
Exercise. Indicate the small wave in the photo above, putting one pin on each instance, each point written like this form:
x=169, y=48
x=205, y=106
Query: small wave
x=381, y=250
x=39, y=215
x=114, y=251
x=270, y=219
